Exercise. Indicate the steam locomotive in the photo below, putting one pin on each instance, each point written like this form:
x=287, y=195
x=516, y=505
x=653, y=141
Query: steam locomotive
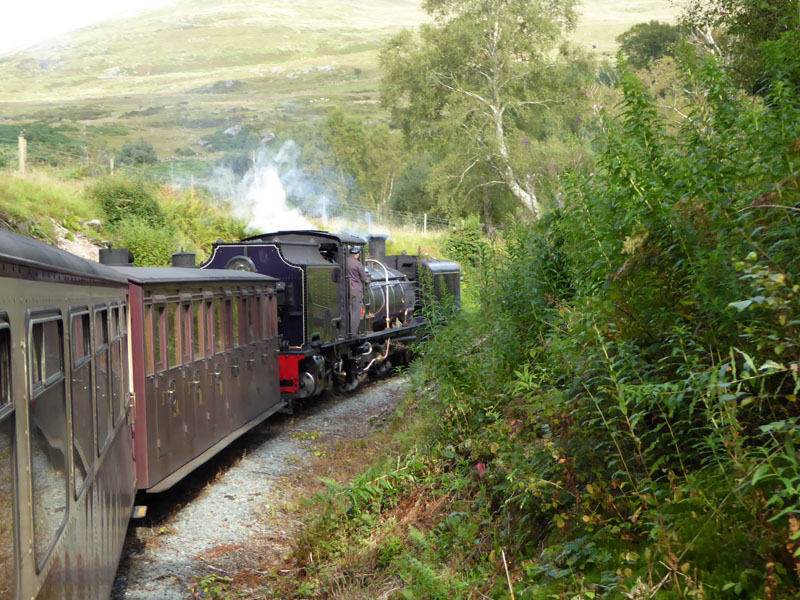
x=316, y=351
x=118, y=378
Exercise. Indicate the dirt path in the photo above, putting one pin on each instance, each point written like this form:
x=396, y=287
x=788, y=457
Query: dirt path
x=208, y=525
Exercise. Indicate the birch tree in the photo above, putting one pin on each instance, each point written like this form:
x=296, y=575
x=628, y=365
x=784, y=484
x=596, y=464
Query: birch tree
x=472, y=76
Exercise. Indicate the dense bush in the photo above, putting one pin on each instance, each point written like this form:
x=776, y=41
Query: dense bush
x=632, y=391
x=466, y=243
x=151, y=246
x=139, y=152
x=122, y=197
x=620, y=417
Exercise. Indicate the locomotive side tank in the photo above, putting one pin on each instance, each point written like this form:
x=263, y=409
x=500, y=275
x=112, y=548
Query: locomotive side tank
x=67, y=479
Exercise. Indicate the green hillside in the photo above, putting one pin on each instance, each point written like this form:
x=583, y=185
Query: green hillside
x=189, y=70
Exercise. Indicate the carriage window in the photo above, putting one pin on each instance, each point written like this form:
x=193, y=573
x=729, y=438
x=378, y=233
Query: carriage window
x=101, y=327
x=252, y=318
x=48, y=433
x=116, y=366
x=188, y=332
x=46, y=357
x=219, y=327
x=154, y=338
x=80, y=338
x=173, y=333
x=101, y=378
x=114, y=322
x=81, y=389
x=5, y=365
x=197, y=332
x=208, y=327
x=8, y=557
x=235, y=322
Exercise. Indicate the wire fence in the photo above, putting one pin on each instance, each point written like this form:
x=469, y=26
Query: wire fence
x=83, y=161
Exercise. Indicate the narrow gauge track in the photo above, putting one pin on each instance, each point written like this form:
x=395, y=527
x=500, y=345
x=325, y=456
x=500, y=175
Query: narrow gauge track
x=203, y=524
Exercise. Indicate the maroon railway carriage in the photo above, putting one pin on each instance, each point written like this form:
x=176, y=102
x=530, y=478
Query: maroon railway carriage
x=205, y=370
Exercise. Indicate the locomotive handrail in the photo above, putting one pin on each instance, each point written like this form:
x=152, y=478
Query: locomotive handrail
x=386, y=291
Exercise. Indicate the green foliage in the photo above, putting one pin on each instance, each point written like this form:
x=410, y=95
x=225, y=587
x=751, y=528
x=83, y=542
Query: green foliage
x=467, y=243
x=122, y=197
x=644, y=43
x=151, y=245
x=740, y=27
x=39, y=133
x=139, y=152
x=369, y=156
x=38, y=198
x=625, y=396
x=239, y=138
x=474, y=90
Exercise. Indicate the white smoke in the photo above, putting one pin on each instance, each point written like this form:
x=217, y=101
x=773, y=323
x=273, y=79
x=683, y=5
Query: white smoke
x=259, y=197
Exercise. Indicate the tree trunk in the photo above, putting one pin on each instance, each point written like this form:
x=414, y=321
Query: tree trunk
x=528, y=197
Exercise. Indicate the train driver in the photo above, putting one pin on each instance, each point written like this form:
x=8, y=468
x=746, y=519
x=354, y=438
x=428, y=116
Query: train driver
x=356, y=278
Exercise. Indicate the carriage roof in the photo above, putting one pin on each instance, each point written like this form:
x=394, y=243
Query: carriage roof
x=25, y=251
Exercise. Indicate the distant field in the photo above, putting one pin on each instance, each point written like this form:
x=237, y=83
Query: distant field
x=177, y=74
x=603, y=20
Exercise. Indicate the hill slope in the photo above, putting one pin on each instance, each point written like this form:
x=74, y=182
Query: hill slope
x=177, y=74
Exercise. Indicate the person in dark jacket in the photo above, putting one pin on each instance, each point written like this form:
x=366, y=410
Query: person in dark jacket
x=356, y=278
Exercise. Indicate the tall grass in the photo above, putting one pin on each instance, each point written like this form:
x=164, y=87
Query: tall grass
x=40, y=196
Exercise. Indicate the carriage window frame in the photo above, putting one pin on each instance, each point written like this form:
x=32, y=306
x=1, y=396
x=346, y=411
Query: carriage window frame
x=8, y=419
x=37, y=388
x=116, y=344
x=196, y=317
x=77, y=363
x=185, y=315
x=6, y=390
x=173, y=339
x=41, y=365
x=102, y=345
x=155, y=338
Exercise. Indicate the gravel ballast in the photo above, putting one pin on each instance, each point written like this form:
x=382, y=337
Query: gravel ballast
x=216, y=509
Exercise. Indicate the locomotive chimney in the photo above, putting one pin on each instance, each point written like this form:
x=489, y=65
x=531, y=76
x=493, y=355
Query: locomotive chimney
x=377, y=247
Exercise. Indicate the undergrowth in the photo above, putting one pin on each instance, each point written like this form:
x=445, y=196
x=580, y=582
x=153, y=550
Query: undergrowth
x=619, y=418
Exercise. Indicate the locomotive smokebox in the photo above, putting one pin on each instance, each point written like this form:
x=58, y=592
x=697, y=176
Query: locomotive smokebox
x=377, y=247
x=184, y=259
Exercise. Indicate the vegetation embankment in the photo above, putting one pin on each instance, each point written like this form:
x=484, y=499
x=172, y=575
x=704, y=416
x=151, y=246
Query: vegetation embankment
x=618, y=416
x=152, y=221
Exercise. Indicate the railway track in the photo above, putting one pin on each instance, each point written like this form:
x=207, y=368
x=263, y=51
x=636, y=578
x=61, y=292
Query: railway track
x=212, y=522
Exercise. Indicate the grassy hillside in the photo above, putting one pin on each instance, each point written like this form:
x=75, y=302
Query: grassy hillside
x=194, y=68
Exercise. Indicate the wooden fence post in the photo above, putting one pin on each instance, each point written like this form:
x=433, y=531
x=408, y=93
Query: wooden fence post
x=23, y=151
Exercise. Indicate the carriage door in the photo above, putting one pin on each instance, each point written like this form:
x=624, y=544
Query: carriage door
x=220, y=371
x=254, y=348
x=170, y=388
x=237, y=393
x=157, y=381
x=205, y=410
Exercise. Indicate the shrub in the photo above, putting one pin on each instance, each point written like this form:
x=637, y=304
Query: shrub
x=467, y=244
x=151, y=246
x=140, y=152
x=122, y=197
